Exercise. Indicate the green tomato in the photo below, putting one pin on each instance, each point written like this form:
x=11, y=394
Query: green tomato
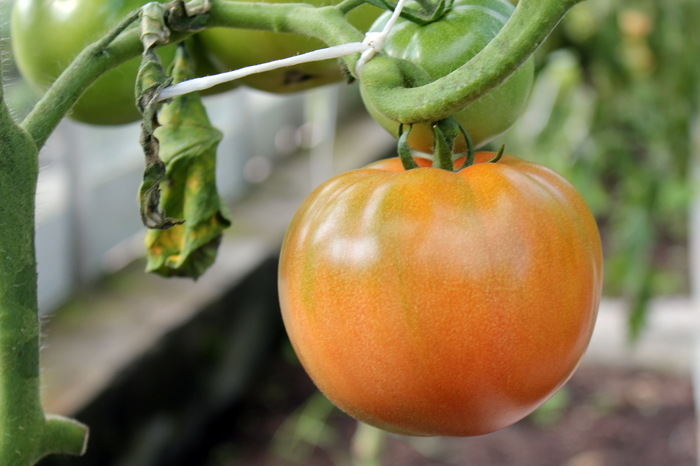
x=443, y=46
x=232, y=49
x=48, y=34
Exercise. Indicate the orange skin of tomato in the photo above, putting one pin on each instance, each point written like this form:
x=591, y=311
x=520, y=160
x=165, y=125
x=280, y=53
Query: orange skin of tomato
x=427, y=302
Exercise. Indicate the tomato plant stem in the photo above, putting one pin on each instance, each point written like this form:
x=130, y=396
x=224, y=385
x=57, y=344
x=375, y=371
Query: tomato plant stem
x=26, y=434
x=348, y=5
x=327, y=24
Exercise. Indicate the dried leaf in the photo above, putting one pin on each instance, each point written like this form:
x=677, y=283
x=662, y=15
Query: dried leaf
x=188, y=191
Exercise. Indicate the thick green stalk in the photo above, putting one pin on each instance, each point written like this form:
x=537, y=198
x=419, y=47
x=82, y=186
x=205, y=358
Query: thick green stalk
x=384, y=80
x=348, y=5
x=327, y=24
x=26, y=435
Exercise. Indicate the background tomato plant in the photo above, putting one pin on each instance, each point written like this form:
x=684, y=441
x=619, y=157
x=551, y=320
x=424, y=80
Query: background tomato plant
x=428, y=302
x=441, y=47
x=47, y=35
x=615, y=110
x=231, y=49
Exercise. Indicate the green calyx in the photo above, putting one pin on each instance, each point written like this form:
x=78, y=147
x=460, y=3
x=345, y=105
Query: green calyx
x=445, y=134
x=427, y=12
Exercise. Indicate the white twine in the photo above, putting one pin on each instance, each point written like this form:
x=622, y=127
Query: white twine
x=374, y=41
x=368, y=48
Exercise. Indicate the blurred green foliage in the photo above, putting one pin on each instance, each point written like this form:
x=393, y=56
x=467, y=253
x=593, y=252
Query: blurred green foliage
x=614, y=110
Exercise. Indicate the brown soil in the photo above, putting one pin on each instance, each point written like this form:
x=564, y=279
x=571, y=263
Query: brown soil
x=603, y=417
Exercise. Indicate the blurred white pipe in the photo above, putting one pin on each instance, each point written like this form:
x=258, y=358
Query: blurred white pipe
x=694, y=246
x=321, y=117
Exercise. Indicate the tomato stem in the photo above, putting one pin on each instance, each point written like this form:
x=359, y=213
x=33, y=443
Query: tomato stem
x=347, y=6
x=327, y=24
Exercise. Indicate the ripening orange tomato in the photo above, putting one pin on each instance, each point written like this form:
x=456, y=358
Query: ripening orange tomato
x=430, y=302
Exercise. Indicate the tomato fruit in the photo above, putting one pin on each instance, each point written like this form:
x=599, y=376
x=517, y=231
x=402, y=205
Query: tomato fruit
x=443, y=46
x=232, y=49
x=430, y=302
x=47, y=35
